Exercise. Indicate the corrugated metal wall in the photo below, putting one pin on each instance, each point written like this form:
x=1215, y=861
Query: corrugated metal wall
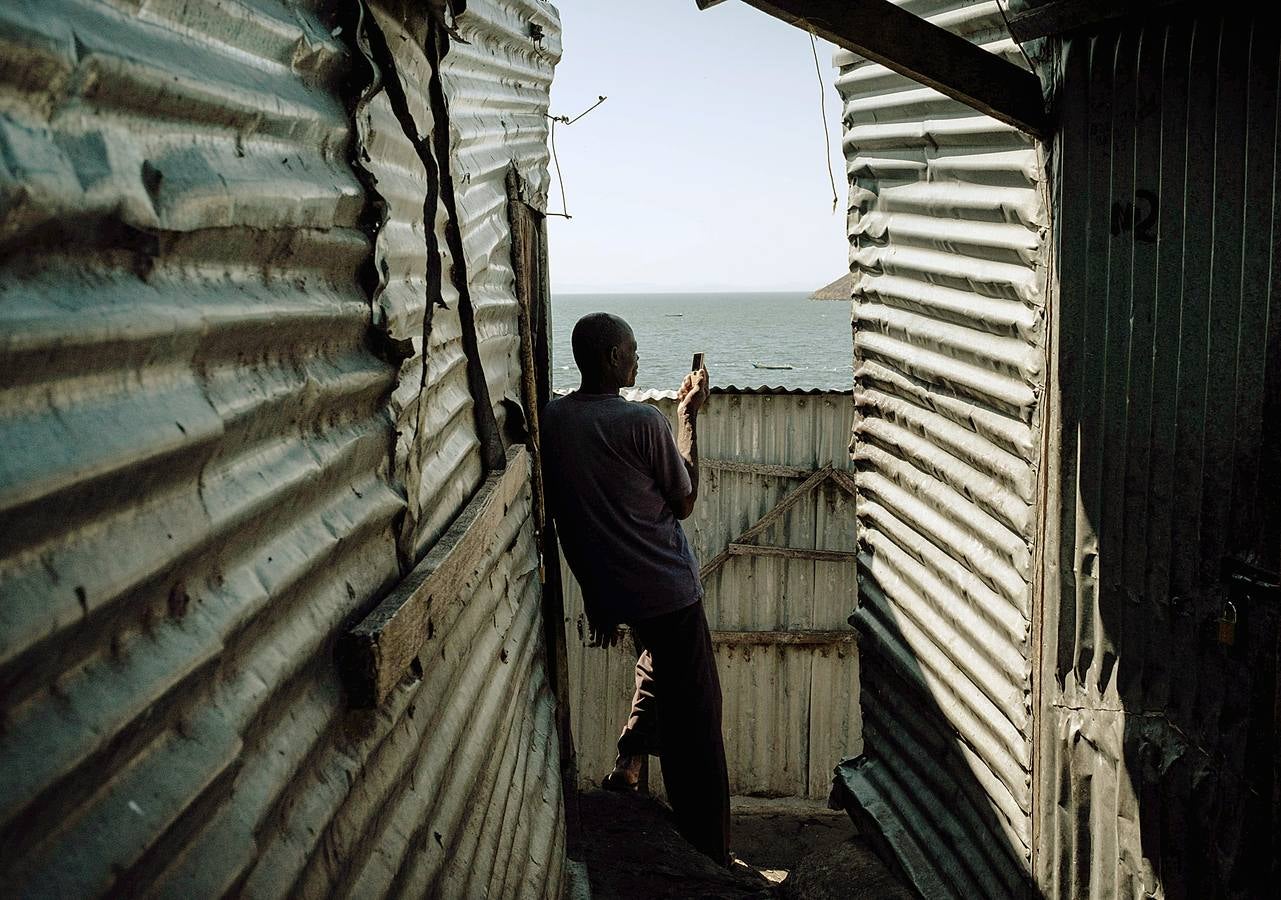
x=790, y=711
x=1159, y=742
x=438, y=454
x=497, y=82
x=204, y=462
x=947, y=229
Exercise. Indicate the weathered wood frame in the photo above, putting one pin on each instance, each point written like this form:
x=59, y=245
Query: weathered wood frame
x=796, y=638
x=745, y=544
x=383, y=648
x=533, y=294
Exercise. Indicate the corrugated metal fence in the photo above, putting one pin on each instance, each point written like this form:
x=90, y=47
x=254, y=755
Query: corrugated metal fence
x=788, y=674
x=1159, y=768
x=947, y=227
x=230, y=421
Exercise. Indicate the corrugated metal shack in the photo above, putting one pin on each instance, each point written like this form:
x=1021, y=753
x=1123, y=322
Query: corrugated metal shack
x=1160, y=766
x=948, y=243
x=1068, y=392
x=263, y=409
x=273, y=340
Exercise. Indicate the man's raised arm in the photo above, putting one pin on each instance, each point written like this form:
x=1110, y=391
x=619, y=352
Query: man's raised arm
x=691, y=397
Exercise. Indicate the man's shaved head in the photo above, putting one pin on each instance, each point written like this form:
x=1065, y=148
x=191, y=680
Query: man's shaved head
x=595, y=335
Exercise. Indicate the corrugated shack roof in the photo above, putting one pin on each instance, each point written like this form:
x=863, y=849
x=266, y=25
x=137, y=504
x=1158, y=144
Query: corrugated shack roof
x=762, y=390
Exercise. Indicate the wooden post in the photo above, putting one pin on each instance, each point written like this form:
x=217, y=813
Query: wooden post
x=529, y=264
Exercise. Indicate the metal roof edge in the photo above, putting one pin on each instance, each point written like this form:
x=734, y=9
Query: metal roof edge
x=762, y=390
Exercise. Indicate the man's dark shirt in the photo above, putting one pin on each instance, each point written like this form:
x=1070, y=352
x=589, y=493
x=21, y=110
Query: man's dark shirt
x=611, y=464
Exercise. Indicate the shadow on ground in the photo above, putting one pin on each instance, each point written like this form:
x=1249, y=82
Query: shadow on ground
x=633, y=851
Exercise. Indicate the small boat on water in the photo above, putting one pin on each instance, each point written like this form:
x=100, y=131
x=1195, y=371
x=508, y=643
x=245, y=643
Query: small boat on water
x=673, y=315
x=763, y=366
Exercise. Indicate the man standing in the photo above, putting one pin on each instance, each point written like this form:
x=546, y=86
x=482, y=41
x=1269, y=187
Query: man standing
x=617, y=483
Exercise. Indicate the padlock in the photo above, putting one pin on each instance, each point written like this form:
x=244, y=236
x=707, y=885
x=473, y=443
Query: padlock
x=1228, y=625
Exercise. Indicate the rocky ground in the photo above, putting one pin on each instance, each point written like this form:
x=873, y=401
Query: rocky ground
x=783, y=850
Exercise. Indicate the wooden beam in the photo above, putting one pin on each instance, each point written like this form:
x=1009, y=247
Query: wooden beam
x=765, y=521
x=378, y=652
x=792, y=498
x=845, y=481
x=755, y=468
x=799, y=638
x=528, y=250
x=899, y=40
x=791, y=637
x=792, y=552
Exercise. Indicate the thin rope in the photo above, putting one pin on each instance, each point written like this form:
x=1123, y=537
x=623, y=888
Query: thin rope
x=822, y=103
x=566, y=120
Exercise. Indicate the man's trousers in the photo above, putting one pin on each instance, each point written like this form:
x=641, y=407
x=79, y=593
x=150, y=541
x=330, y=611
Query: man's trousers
x=676, y=712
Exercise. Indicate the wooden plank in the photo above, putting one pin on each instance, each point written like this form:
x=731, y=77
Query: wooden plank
x=792, y=498
x=904, y=42
x=791, y=637
x=755, y=468
x=792, y=552
x=845, y=481
x=376, y=654
x=807, y=638
x=528, y=252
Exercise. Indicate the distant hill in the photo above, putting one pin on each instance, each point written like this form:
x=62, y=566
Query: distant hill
x=840, y=289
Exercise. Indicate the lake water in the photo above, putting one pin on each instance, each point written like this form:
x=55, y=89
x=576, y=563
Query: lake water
x=734, y=330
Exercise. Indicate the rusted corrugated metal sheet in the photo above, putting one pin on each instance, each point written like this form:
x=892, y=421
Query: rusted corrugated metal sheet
x=1158, y=742
x=420, y=303
x=201, y=483
x=947, y=224
x=790, y=711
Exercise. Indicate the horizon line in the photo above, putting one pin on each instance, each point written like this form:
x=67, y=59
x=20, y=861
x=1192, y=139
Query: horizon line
x=641, y=291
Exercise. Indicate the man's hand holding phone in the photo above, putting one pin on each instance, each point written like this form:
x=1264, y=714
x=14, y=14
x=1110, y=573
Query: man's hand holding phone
x=694, y=389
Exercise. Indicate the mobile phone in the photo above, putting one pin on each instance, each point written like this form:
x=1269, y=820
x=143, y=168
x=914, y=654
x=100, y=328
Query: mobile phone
x=697, y=363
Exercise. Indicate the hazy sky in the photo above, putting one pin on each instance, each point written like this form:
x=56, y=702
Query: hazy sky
x=704, y=169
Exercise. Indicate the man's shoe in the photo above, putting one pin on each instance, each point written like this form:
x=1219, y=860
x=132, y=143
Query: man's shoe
x=626, y=775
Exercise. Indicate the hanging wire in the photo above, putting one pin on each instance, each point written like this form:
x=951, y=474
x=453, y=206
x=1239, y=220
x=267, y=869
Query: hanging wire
x=822, y=103
x=1019, y=44
x=566, y=120
x=556, y=162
